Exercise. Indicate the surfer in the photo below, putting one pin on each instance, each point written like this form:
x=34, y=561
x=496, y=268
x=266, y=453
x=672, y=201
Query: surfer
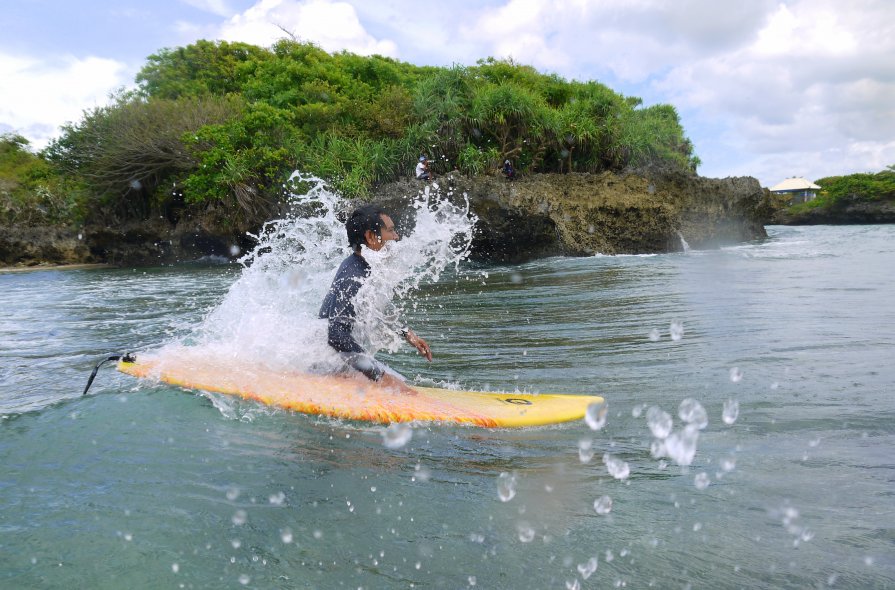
x=367, y=226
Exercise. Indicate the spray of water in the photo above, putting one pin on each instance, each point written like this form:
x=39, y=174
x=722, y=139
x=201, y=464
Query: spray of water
x=269, y=315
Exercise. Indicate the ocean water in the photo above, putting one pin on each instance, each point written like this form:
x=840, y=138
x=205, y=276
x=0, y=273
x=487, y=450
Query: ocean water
x=787, y=344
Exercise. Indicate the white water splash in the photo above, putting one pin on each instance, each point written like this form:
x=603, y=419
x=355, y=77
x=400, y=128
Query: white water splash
x=397, y=435
x=701, y=481
x=692, y=412
x=587, y=569
x=680, y=446
x=730, y=412
x=602, y=506
x=526, y=532
x=269, y=315
x=659, y=422
x=676, y=330
x=595, y=415
x=736, y=375
x=585, y=450
x=616, y=467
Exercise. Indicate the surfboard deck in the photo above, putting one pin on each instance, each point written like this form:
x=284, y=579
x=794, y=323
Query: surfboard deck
x=357, y=398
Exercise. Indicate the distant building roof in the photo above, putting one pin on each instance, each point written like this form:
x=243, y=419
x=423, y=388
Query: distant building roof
x=794, y=184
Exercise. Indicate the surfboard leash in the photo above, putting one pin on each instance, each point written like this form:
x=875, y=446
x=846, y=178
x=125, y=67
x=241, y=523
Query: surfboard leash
x=127, y=357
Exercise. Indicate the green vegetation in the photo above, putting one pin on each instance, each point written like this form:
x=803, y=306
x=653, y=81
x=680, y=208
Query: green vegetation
x=839, y=191
x=219, y=126
x=31, y=191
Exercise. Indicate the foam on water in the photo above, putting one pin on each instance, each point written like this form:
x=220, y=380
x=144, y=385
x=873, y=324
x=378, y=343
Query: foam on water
x=269, y=315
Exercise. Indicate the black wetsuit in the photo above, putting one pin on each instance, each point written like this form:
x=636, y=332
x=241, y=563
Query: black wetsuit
x=338, y=305
x=338, y=308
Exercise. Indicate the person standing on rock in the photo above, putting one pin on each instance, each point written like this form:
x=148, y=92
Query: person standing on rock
x=367, y=226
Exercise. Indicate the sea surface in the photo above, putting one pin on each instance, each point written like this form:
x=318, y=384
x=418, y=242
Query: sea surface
x=787, y=343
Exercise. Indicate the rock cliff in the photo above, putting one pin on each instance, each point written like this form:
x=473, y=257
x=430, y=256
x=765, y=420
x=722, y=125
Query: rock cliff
x=540, y=215
x=582, y=214
x=855, y=211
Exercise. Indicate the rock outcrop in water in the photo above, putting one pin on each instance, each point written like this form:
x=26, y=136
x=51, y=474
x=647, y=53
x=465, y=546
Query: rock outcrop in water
x=583, y=214
x=540, y=215
x=853, y=211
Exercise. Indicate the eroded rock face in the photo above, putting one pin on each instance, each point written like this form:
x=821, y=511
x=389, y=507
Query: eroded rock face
x=28, y=246
x=531, y=217
x=582, y=214
x=846, y=212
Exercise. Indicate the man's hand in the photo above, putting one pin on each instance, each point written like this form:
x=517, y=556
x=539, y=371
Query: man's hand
x=419, y=344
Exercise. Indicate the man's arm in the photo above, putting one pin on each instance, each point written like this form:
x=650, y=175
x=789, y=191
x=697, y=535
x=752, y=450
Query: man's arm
x=417, y=343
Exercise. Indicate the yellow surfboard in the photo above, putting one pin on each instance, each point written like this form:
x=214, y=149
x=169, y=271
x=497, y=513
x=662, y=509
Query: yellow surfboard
x=357, y=398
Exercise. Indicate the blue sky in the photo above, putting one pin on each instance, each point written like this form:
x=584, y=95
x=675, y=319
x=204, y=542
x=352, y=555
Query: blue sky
x=765, y=88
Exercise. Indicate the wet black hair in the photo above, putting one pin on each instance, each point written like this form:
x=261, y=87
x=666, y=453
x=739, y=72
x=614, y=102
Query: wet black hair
x=366, y=217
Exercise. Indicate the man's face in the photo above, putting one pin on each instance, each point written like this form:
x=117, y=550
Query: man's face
x=387, y=233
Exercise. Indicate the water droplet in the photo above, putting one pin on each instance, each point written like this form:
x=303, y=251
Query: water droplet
x=526, y=532
x=701, y=481
x=637, y=410
x=676, y=330
x=244, y=579
x=587, y=569
x=814, y=442
x=318, y=534
x=397, y=435
x=736, y=375
x=516, y=278
x=680, y=446
x=471, y=580
x=573, y=584
x=654, y=335
x=595, y=416
x=731, y=411
x=616, y=467
x=175, y=567
x=728, y=464
x=659, y=422
x=232, y=494
x=657, y=449
x=240, y=517
x=585, y=450
x=603, y=506
x=692, y=412
x=236, y=543
x=775, y=385
x=286, y=535
x=277, y=499
x=506, y=487
x=421, y=474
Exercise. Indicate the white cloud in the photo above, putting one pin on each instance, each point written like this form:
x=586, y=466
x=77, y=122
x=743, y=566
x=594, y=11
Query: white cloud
x=632, y=41
x=41, y=95
x=334, y=26
x=218, y=7
x=813, y=94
